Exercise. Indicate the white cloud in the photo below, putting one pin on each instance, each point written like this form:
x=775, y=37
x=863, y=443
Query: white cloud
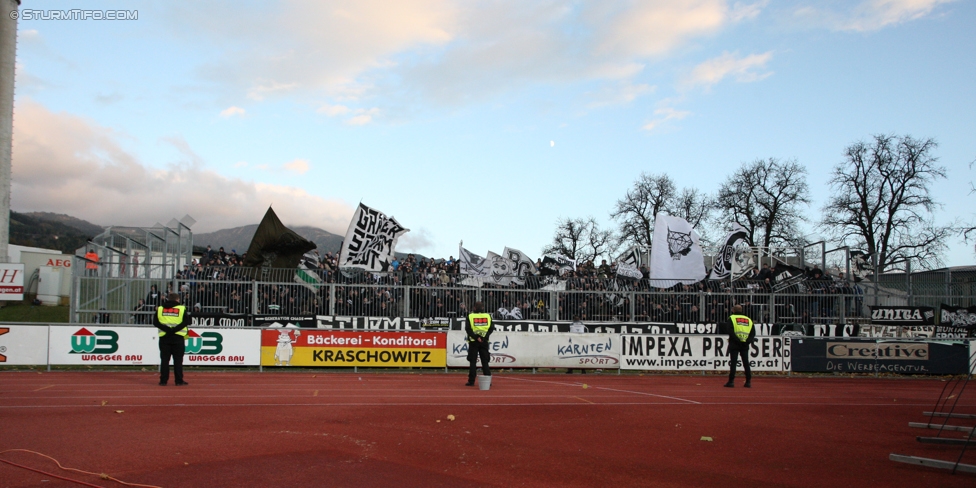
x=308, y=46
x=264, y=88
x=240, y=164
x=875, y=14
x=620, y=93
x=333, y=110
x=743, y=69
x=231, y=111
x=665, y=114
x=363, y=116
x=68, y=164
x=443, y=51
x=655, y=28
x=867, y=15
x=416, y=241
x=746, y=11
x=299, y=166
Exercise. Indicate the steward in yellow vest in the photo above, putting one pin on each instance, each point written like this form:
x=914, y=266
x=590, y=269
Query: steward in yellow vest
x=741, y=335
x=172, y=320
x=479, y=329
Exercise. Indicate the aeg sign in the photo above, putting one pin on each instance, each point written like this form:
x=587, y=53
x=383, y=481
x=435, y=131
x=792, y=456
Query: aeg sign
x=59, y=263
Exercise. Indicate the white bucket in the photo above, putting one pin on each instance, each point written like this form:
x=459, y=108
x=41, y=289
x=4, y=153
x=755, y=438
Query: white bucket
x=484, y=382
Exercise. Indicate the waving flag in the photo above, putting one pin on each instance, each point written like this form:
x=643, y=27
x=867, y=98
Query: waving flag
x=676, y=254
x=370, y=240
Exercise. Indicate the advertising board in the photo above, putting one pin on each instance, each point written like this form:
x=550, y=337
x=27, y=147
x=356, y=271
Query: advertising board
x=696, y=353
x=532, y=350
x=314, y=347
x=23, y=344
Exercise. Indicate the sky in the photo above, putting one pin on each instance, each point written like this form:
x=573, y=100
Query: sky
x=481, y=121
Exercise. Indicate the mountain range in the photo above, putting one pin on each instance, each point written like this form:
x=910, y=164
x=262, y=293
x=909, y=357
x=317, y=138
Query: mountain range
x=67, y=234
x=239, y=238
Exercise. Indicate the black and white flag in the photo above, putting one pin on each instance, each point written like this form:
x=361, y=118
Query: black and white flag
x=676, y=253
x=557, y=265
x=501, y=270
x=629, y=262
x=735, y=258
x=955, y=316
x=370, y=240
x=523, y=265
x=475, y=267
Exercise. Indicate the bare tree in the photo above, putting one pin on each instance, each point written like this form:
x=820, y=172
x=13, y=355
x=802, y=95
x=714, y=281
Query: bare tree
x=580, y=239
x=880, y=201
x=767, y=198
x=968, y=231
x=696, y=207
x=637, y=210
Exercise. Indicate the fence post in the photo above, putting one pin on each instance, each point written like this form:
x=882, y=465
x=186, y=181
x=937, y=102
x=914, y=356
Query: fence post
x=553, y=306
x=75, y=300
x=254, y=299
x=908, y=282
x=332, y=299
x=701, y=307
x=406, y=300
x=842, y=300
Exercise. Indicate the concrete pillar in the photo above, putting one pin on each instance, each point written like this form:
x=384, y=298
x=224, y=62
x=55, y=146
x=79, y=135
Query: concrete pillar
x=8, y=56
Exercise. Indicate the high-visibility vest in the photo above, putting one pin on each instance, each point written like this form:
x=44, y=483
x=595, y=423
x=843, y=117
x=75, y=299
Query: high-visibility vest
x=480, y=323
x=171, y=317
x=741, y=326
x=91, y=260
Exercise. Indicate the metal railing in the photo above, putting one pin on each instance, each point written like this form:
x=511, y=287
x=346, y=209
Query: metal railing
x=133, y=300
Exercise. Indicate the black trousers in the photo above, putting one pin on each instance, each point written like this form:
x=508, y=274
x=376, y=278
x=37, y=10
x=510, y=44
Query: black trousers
x=475, y=350
x=734, y=355
x=170, y=348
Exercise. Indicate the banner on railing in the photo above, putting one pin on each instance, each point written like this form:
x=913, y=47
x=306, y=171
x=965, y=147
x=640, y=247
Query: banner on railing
x=919, y=331
x=551, y=326
x=956, y=321
x=524, y=350
x=884, y=315
x=304, y=321
x=217, y=320
x=695, y=353
x=880, y=356
x=23, y=345
x=352, y=322
x=306, y=347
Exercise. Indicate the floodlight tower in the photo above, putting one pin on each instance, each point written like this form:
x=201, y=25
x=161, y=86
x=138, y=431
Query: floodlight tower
x=9, y=12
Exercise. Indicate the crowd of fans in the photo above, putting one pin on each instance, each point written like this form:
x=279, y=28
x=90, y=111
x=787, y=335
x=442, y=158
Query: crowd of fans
x=435, y=288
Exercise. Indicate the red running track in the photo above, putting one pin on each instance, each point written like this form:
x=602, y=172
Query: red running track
x=372, y=429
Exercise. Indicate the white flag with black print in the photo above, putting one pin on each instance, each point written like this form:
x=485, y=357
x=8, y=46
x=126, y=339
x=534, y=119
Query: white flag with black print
x=475, y=268
x=500, y=269
x=370, y=240
x=523, y=265
x=735, y=258
x=676, y=253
